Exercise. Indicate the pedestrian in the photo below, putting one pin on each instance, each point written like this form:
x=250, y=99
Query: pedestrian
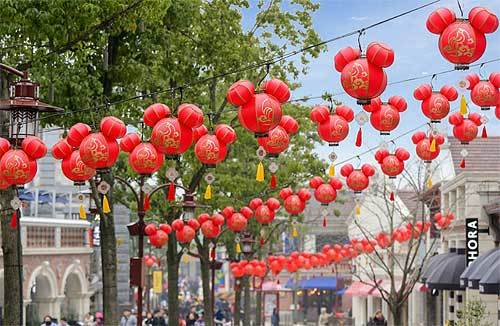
x=148, y=320
x=99, y=319
x=275, y=317
x=378, y=320
x=191, y=319
x=63, y=321
x=219, y=317
x=201, y=320
x=88, y=320
x=324, y=317
x=47, y=321
x=128, y=319
x=182, y=322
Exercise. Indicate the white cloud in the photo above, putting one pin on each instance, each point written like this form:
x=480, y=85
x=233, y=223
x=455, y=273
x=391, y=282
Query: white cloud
x=359, y=18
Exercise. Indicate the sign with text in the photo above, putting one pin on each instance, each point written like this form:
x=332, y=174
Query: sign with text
x=157, y=281
x=472, y=239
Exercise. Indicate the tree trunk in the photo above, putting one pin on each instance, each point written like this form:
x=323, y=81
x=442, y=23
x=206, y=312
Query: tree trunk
x=400, y=314
x=173, y=281
x=206, y=275
x=258, y=308
x=247, y=303
x=108, y=258
x=237, y=303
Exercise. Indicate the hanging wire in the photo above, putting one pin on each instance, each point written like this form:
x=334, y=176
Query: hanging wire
x=432, y=80
x=361, y=32
x=481, y=71
x=268, y=67
x=460, y=8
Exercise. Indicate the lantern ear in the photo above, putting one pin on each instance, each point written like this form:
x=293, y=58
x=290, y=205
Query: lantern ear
x=277, y=88
x=449, y=92
x=129, y=142
x=112, y=127
x=345, y=112
x=439, y=139
x=495, y=79
x=456, y=119
x=225, y=134
x=246, y=211
x=190, y=115
x=422, y=92
x=273, y=203
x=483, y=20
x=319, y=114
x=381, y=154
x=315, y=182
x=254, y=203
x=476, y=118
x=398, y=102
x=439, y=19
x=60, y=150
x=346, y=170
x=290, y=125
x=240, y=92
x=375, y=105
x=154, y=113
x=344, y=56
x=402, y=154
x=228, y=211
x=473, y=80
x=285, y=193
x=304, y=194
x=335, y=183
x=417, y=137
x=199, y=132
x=380, y=54
x=77, y=133
x=367, y=170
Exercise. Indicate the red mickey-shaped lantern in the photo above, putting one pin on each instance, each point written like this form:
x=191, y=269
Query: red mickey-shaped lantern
x=392, y=164
x=385, y=116
x=435, y=105
x=325, y=193
x=363, y=77
x=212, y=149
x=144, y=158
x=185, y=231
x=237, y=221
x=484, y=93
x=278, y=138
x=462, y=41
x=158, y=237
x=295, y=203
x=428, y=148
x=443, y=221
x=211, y=225
x=99, y=152
x=74, y=169
x=332, y=128
x=17, y=167
x=264, y=211
x=465, y=129
x=357, y=179
x=259, y=112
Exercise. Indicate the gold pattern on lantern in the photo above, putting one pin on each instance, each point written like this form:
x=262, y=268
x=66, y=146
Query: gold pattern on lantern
x=358, y=77
x=460, y=43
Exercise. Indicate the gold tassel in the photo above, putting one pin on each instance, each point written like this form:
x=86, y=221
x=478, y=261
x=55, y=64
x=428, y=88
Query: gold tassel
x=185, y=258
x=238, y=248
x=432, y=148
x=105, y=205
x=295, y=233
x=260, y=172
x=429, y=183
x=358, y=210
x=83, y=214
x=208, y=192
x=463, y=105
x=331, y=170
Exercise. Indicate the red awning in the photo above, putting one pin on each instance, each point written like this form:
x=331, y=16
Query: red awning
x=358, y=289
x=386, y=286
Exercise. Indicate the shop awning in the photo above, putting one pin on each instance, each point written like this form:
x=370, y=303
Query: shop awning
x=433, y=263
x=320, y=283
x=271, y=286
x=472, y=275
x=446, y=275
x=490, y=282
x=386, y=286
x=358, y=289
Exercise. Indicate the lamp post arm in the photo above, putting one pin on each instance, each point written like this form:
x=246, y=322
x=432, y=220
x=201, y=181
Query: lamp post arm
x=13, y=71
x=128, y=185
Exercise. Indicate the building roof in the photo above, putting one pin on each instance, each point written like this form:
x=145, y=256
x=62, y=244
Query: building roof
x=409, y=198
x=482, y=154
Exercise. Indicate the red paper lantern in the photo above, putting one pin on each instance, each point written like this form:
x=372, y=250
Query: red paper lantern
x=171, y=137
x=237, y=222
x=264, y=212
x=113, y=128
x=61, y=149
x=185, y=235
x=240, y=92
x=190, y=115
x=325, y=193
x=385, y=116
x=332, y=128
x=208, y=150
x=74, y=168
x=77, y=133
x=34, y=147
x=465, y=129
x=435, y=105
x=261, y=114
x=462, y=41
x=294, y=203
x=484, y=93
x=357, y=180
x=278, y=138
x=17, y=168
x=424, y=149
x=158, y=239
x=392, y=164
x=209, y=229
x=99, y=152
x=154, y=113
x=145, y=159
x=363, y=77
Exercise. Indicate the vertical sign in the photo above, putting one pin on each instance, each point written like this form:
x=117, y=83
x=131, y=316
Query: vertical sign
x=472, y=239
x=157, y=281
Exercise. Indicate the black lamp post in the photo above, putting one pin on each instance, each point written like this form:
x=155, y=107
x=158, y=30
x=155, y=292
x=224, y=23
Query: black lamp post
x=23, y=107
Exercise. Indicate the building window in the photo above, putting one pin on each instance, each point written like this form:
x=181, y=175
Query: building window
x=73, y=237
x=40, y=236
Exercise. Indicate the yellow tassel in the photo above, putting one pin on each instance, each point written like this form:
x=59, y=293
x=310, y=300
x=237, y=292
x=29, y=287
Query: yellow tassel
x=295, y=233
x=185, y=259
x=238, y=248
x=208, y=192
x=358, y=210
x=429, y=183
x=83, y=214
x=331, y=170
x=105, y=205
x=463, y=105
x=432, y=148
x=260, y=172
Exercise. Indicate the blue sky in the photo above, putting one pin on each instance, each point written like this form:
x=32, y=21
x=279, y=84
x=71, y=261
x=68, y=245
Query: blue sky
x=416, y=54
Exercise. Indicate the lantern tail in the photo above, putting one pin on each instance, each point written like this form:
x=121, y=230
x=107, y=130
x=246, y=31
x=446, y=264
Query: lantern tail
x=331, y=170
x=429, y=183
x=359, y=138
x=324, y=221
x=432, y=147
x=171, y=192
x=484, y=134
x=238, y=248
x=463, y=105
x=462, y=163
x=105, y=205
x=358, y=210
x=295, y=233
x=208, y=192
x=146, y=205
x=274, y=182
x=83, y=214
x=13, y=220
x=391, y=196
x=212, y=253
x=260, y=172
x=262, y=242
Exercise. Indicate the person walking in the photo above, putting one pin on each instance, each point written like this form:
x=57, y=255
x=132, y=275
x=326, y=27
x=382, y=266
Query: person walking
x=275, y=317
x=324, y=317
x=128, y=319
x=47, y=321
x=378, y=320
